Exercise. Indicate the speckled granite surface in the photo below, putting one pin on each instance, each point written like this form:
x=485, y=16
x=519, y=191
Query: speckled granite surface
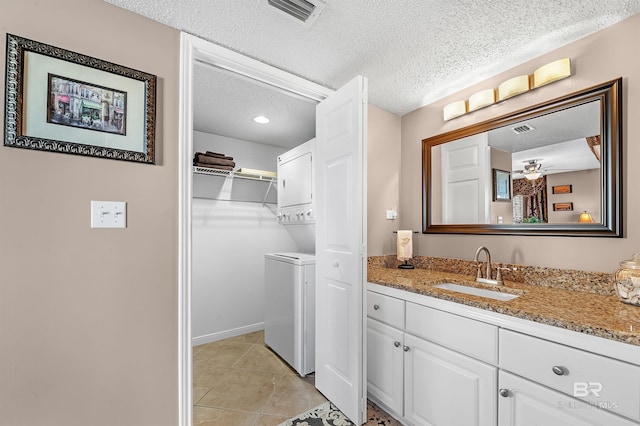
x=567, y=279
x=600, y=315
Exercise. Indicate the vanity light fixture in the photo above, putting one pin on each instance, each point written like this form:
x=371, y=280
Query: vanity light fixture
x=512, y=87
x=261, y=119
x=546, y=74
x=454, y=109
x=585, y=217
x=551, y=72
x=482, y=99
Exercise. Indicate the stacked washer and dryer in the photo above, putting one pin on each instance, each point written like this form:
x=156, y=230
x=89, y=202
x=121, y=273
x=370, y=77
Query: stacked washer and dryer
x=289, y=317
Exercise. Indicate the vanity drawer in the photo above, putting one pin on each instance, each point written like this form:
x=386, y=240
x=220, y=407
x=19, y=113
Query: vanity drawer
x=385, y=309
x=610, y=384
x=474, y=338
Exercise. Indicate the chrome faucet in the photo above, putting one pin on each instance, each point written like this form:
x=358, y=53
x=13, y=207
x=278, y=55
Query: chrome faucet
x=487, y=278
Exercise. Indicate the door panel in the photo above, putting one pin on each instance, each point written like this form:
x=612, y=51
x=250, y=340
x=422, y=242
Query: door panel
x=465, y=180
x=340, y=248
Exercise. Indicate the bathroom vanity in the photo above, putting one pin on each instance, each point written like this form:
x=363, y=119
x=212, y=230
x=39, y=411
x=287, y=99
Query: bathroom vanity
x=444, y=358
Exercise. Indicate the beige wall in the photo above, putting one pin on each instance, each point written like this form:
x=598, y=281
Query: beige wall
x=601, y=57
x=584, y=195
x=88, y=318
x=501, y=160
x=383, y=182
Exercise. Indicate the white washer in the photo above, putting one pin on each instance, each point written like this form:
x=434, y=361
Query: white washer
x=289, y=314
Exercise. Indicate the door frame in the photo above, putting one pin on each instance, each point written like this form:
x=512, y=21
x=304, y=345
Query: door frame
x=192, y=50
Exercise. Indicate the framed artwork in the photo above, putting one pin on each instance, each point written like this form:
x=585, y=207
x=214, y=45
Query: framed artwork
x=562, y=207
x=501, y=185
x=562, y=189
x=61, y=101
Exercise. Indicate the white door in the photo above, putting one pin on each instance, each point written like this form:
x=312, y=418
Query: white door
x=466, y=180
x=341, y=248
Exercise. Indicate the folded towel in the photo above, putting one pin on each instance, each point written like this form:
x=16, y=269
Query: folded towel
x=201, y=158
x=213, y=166
x=213, y=155
x=405, y=245
x=217, y=154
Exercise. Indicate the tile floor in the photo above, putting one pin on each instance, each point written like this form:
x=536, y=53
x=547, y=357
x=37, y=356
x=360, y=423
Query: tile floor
x=238, y=381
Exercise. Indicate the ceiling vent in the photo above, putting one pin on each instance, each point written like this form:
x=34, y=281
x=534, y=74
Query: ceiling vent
x=524, y=128
x=305, y=11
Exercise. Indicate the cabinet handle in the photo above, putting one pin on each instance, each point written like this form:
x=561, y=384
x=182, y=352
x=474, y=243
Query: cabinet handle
x=406, y=348
x=504, y=393
x=376, y=307
x=396, y=344
x=560, y=371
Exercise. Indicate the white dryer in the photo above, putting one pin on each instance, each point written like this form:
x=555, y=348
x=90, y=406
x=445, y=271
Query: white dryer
x=289, y=314
x=296, y=205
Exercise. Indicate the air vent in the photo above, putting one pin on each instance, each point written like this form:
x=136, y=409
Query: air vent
x=301, y=10
x=523, y=129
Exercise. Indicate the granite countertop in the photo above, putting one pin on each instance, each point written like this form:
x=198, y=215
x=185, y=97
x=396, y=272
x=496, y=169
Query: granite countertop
x=595, y=314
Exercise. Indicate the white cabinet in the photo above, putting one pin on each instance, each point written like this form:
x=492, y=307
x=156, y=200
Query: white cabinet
x=388, y=310
x=446, y=388
x=599, y=381
x=422, y=382
x=385, y=365
x=474, y=338
x=470, y=367
x=588, y=389
x=525, y=403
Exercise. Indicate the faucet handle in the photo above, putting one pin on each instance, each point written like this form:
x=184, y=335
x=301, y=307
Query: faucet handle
x=479, y=273
x=499, y=274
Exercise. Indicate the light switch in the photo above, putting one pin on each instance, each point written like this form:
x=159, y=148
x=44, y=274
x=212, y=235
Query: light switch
x=108, y=214
x=392, y=214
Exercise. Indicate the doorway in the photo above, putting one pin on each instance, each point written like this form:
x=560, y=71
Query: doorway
x=196, y=50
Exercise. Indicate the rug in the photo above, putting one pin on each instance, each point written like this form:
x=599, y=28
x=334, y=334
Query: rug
x=328, y=415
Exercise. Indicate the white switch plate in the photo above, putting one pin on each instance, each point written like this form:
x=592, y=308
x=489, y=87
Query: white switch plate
x=108, y=214
x=392, y=214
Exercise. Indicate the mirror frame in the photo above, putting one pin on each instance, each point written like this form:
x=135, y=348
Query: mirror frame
x=610, y=95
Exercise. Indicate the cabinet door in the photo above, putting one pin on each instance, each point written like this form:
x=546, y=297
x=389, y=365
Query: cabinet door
x=385, y=365
x=446, y=388
x=525, y=403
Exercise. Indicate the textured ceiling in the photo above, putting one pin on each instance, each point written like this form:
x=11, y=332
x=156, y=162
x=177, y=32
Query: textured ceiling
x=225, y=104
x=557, y=140
x=412, y=51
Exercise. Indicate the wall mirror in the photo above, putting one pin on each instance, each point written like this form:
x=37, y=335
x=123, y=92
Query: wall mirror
x=564, y=160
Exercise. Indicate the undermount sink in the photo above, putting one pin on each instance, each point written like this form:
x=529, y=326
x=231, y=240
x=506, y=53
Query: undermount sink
x=497, y=295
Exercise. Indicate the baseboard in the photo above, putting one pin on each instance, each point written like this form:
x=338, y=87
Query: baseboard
x=220, y=335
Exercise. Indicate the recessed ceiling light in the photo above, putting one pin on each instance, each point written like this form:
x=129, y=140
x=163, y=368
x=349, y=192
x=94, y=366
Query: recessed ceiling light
x=261, y=119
